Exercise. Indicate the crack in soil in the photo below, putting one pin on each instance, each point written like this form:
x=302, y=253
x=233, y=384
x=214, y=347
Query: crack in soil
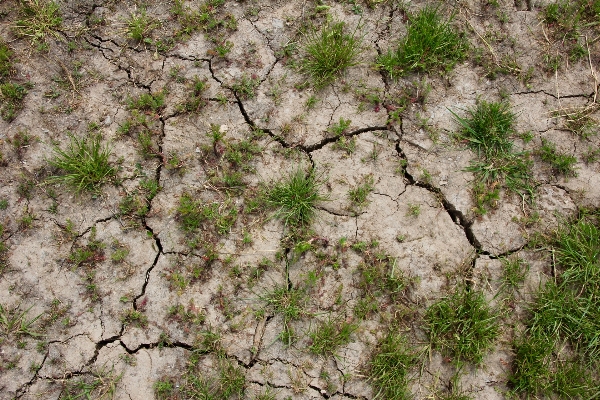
x=456, y=215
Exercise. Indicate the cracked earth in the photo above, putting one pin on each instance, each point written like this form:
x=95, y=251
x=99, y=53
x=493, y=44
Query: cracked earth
x=114, y=317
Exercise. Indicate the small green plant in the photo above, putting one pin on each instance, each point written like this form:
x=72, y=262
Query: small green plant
x=196, y=101
x=514, y=272
x=119, y=255
x=164, y=389
x=414, y=210
x=15, y=321
x=12, y=96
x=291, y=304
x=488, y=127
x=329, y=52
x=101, y=385
x=330, y=335
x=245, y=86
x=340, y=128
x=561, y=163
x=135, y=318
x=462, y=326
x=192, y=213
x=431, y=43
x=39, y=18
x=295, y=198
x=84, y=165
x=358, y=195
x=148, y=102
x=390, y=367
x=140, y=26
x=6, y=61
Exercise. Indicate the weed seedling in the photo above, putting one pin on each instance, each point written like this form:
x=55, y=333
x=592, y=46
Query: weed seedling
x=514, y=272
x=431, y=43
x=148, y=102
x=329, y=52
x=84, y=164
x=340, y=128
x=15, y=321
x=245, y=87
x=12, y=96
x=290, y=303
x=414, y=210
x=358, y=195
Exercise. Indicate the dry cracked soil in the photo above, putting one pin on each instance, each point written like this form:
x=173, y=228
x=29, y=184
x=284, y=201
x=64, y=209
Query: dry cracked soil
x=179, y=268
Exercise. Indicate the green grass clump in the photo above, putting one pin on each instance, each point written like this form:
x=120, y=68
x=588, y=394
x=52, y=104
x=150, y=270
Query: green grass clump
x=487, y=129
x=390, y=368
x=295, y=198
x=12, y=96
x=431, y=43
x=558, y=352
x=140, y=25
x=228, y=382
x=561, y=163
x=101, y=385
x=40, y=18
x=358, y=195
x=462, y=326
x=84, y=165
x=330, y=335
x=328, y=53
x=6, y=59
x=196, y=100
x=192, y=213
x=148, y=102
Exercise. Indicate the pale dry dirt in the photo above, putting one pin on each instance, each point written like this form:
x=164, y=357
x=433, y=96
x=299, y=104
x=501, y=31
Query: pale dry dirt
x=414, y=165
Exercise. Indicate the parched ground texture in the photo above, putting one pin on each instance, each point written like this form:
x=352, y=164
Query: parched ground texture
x=129, y=300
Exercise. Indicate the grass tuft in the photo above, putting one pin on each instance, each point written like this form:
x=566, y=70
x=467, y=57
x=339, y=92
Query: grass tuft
x=558, y=352
x=390, y=367
x=330, y=335
x=330, y=52
x=295, y=198
x=40, y=18
x=487, y=130
x=462, y=326
x=431, y=43
x=6, y=61
x=84, y=165
x=562, y=164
